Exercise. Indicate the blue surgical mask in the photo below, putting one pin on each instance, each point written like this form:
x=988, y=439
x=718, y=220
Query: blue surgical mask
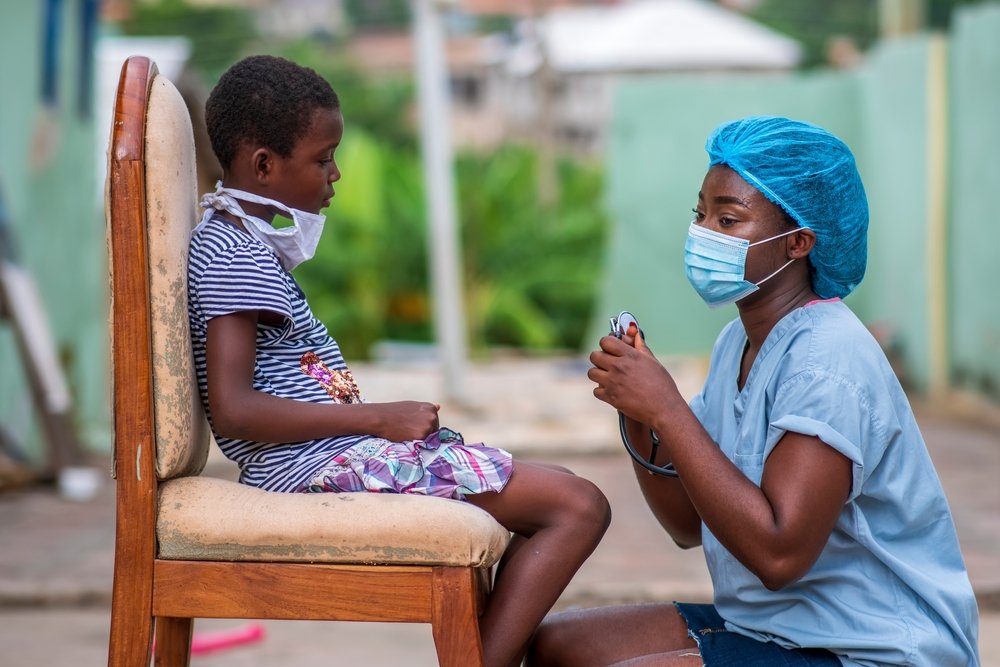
x=715, y=264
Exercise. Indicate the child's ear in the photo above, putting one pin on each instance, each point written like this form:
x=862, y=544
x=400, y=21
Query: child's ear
x=262, y=163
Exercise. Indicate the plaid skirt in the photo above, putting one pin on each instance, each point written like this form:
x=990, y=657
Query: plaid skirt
x=441, y=465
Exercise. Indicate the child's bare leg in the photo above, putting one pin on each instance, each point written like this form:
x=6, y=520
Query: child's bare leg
x=516, y=541
x=560, y=518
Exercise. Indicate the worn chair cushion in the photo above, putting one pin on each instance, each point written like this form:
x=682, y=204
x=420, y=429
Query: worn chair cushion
x=205, y=518
x=171, y=202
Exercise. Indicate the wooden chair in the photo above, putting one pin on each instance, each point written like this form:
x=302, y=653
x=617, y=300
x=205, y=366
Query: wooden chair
x=190, y=546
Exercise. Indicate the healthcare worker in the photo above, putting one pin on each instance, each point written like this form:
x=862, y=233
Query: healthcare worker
x=801, y=470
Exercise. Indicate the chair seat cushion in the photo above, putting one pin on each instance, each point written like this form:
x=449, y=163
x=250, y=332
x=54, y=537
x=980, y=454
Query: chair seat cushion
x=206, y=518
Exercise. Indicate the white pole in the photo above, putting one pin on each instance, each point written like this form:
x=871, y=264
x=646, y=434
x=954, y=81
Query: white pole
x=436, y=150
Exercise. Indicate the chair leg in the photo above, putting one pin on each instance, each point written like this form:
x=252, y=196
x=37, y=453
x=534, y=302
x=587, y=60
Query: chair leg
x=131, y=636
x=173, y=641
x=455, y=623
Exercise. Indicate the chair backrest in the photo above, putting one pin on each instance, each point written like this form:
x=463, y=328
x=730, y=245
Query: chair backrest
x=162, y=169
x=171, y=195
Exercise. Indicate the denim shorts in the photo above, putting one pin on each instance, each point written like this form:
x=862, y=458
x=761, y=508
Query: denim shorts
x=721, y=648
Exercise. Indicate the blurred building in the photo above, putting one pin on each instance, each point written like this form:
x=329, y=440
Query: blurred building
x=477, y=120
x=524, y=8
x=565, y=63
x=549, y=78
x=546, y=72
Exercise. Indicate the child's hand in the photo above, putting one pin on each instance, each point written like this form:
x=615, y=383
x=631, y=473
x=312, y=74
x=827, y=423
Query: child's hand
x=407, y=420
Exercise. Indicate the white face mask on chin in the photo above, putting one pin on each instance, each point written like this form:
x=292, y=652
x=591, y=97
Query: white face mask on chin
x=293, y=245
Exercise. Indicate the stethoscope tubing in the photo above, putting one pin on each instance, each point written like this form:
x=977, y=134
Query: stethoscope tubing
x=667, y=470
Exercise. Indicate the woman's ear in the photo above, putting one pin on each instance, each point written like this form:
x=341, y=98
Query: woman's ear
x=801, y=243
x=262, y=163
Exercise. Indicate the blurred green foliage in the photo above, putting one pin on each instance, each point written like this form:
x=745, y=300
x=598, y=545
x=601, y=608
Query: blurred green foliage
x=530, y=272
x=378, y=13
x=381, y=106
x=938, y=13
x=815, y=22
x=219, y=35
x=529, y=269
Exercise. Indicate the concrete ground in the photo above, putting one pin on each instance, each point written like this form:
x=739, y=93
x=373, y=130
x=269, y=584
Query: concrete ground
x=56, y=555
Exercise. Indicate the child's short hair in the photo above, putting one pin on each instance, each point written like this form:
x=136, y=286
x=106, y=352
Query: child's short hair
x=264, y=101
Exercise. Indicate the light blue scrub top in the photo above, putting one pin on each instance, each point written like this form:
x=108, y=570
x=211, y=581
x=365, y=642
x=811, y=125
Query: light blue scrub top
x=890, y=587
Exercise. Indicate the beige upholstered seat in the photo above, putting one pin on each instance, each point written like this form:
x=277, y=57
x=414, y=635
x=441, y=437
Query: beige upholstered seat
x=190, y=546
x=253, y=525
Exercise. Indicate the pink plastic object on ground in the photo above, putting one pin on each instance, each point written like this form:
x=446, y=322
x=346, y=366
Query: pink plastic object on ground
x=203, y=643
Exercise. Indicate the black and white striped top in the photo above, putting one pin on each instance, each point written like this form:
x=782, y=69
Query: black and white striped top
x=230, y=271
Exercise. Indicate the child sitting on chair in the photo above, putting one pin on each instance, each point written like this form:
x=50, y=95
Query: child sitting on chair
x=279, y=396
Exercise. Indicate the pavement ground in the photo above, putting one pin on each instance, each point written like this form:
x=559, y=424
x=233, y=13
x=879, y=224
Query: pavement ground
x=56, y=555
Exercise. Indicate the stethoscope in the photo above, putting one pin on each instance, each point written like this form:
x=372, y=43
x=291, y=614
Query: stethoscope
x=619, y=326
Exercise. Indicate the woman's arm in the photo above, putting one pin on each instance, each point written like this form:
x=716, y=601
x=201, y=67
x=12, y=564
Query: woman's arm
x=666, y=496
x=239, y=411
x=776, y=530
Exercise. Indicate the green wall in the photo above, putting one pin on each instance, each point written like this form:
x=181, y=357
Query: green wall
x=48, y=181
x=974, y=259
x=893, y=101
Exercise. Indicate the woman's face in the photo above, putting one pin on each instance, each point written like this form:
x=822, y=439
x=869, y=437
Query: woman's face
x=729, y=205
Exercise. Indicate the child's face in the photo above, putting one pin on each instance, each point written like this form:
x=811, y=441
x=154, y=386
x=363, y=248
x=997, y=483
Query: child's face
x=304, y=180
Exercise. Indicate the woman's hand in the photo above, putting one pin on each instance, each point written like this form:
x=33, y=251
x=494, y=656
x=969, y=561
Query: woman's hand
x=631, y=379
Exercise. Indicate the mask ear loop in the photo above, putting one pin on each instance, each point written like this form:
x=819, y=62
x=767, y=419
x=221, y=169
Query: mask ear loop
x=776, y=236
x=783, y=266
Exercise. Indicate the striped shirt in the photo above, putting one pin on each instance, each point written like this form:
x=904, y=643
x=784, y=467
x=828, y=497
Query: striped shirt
x=230, y=271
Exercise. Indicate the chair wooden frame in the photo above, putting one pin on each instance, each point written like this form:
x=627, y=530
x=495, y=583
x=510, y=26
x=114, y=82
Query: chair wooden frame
x=171, y=593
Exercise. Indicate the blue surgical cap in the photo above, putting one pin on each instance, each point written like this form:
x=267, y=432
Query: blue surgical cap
x=812, y=175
